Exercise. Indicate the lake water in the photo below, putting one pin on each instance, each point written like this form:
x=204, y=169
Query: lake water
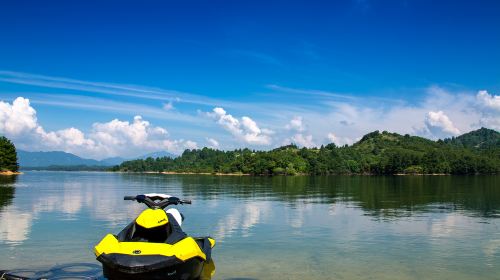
x=338, y=227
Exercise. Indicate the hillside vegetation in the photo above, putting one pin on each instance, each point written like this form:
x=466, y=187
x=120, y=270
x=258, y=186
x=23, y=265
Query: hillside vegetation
x=8, y=156
x=477, y=152
x=481, y=139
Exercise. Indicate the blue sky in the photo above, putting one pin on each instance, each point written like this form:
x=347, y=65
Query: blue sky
x=231, y=74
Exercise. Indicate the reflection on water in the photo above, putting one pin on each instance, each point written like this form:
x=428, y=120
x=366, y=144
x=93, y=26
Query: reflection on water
x=7, y=189
x=338, y=227
x=66, y=271
x=89, y=271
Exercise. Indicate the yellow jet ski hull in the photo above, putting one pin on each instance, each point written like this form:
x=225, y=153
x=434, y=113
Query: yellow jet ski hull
x=141, y=252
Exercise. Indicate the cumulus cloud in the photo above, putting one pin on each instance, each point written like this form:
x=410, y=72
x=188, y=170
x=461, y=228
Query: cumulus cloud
x=214, y=144
x=245, y=129
x=300, y=135
x=490, y=121
x=440, y=125
x=18, y=117
x=118, y=132
x=340, y=141
x=332, y=137
x=190, y=145
x=300, y=139
x=488, y=101
x=490, y=109
x=296, y=124
x=18, y=121
x=303, y=140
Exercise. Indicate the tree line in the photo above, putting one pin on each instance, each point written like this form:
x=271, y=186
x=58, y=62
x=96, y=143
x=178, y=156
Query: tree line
x=376, y=153
x=8, y=155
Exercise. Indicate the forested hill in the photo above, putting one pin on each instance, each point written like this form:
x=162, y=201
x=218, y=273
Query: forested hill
x=482, y=139
x=477, y=152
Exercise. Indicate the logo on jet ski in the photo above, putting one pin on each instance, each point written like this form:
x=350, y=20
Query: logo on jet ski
x=137, y=252
x=162, y=220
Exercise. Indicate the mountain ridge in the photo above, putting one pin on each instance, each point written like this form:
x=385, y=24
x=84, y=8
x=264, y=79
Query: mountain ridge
x=41, y=159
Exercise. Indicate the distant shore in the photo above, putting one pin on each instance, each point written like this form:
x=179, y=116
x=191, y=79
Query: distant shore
x=271, y=175
x=201, y=173
x=9, y=173
x=422, y=174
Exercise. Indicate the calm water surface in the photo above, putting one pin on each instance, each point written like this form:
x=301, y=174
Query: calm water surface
x=436, y=227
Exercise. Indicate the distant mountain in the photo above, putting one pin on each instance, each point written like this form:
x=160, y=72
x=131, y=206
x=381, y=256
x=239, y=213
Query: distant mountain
x=112, y=161
x=62, y=159
x=40, y=159
x=482, y=138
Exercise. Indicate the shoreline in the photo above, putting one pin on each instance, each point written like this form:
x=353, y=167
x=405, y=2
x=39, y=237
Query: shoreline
x=299, y=174
x=425, y=174
x=9, y=173
x=202, y=173
x=181, y=173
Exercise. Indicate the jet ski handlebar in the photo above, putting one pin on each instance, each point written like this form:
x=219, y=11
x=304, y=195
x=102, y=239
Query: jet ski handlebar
x=156, y=202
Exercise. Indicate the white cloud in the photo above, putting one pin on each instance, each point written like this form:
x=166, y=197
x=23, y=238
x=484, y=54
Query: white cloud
x=214, y=144
x=300, y=137
x=17, y=118
x=190, y=145
x=440, y=125
x=489, y=105
x=296, y=124
x=74, y=137
x=488, y=101
x=250, y=125
x=301, y=140
x=245, y=129
x=340, y=141
x=332, y=137
x=18, y=121
x=490, y=122
x=118, y=132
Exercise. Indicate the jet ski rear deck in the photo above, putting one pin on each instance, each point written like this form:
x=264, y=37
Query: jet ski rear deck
x=154, y=245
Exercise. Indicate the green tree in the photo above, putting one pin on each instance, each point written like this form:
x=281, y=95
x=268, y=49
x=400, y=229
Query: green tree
x=8, y=155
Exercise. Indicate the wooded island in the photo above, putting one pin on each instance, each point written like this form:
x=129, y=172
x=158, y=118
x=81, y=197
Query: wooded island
x=8, y=157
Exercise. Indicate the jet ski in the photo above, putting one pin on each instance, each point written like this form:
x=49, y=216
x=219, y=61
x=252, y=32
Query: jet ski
x=154, y=246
